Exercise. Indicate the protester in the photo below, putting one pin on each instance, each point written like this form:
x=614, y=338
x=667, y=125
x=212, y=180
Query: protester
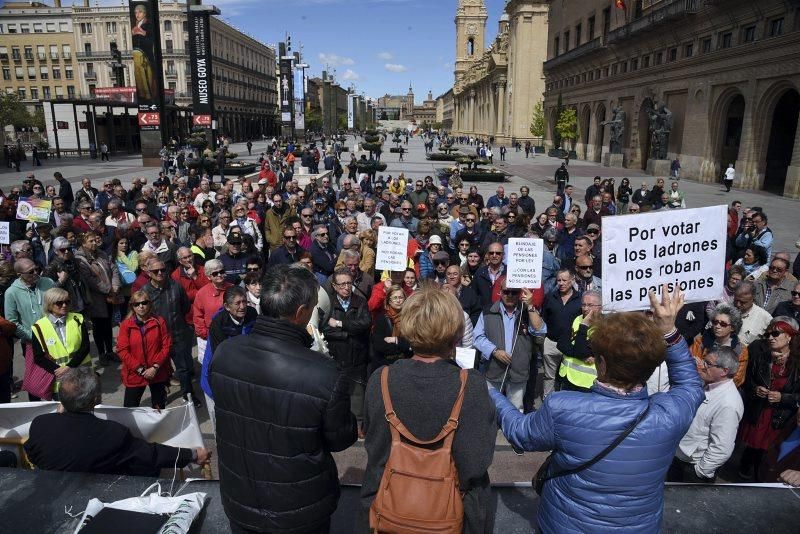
x=561, y=307
x=626, y=489
x=578, y=371
x=144, y=345
x=755, y=319
x=386, y=343
x=725, y=323
x=775, y=288
x=60, y=338
x=290, y=456
x=771, y=391
x=711, y=437
x=68, y=441
x=420, y=393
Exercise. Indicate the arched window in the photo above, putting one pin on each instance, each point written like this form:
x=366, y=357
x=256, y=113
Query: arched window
x=470, y=46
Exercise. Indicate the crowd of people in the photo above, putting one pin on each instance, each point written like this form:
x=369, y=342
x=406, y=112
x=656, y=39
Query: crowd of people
x=276, y=285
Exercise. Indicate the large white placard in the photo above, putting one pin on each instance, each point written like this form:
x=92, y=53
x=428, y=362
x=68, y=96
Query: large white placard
x=524, y=261
x=681, y=248
x=5, y=233
x=392, y=249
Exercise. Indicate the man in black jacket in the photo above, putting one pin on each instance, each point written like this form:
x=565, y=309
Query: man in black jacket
x=64, y=190
x=346, y=329
x=281, y=409
x=78, y=441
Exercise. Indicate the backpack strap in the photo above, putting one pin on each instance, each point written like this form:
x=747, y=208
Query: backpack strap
x=399, y=429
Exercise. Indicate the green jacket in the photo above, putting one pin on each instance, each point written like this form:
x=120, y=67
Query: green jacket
x=24, y=305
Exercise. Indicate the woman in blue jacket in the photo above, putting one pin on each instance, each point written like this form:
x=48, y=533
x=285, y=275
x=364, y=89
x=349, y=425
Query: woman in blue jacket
x=624, y=490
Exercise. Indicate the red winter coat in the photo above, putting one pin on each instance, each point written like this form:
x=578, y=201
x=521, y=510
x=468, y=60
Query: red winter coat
x=135, y=350
x=206, y=304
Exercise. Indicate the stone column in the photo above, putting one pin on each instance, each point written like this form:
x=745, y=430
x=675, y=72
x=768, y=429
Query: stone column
x=501, y=108
x=792, y=187
x=472, y=111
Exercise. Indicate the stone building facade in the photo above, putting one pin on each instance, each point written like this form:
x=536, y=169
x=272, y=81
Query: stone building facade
x=496, y=89
x=727, y=70
x=37, y=52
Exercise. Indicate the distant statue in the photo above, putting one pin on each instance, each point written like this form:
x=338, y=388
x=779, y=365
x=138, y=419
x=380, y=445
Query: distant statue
x=660, y=128
x=617, y=123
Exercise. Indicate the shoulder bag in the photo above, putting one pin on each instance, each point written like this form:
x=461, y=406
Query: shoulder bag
x=543, y=474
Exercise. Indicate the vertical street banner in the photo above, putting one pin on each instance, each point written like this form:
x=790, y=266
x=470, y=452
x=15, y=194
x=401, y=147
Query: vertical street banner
x=286, y=90
x=683, y=248
x=299, y=98
x=147, y=65
x=200, y=66
x=350, y=111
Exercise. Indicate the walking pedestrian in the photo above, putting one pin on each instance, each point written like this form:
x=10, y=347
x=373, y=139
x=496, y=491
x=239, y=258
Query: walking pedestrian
x=730, y=174
x=35, y=162
x=104, y=152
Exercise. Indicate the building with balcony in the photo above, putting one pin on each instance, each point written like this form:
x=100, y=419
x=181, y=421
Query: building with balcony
x=245, y=85
x=36, y=52
x=727, y=70
x=496, y=89
x=444, y=110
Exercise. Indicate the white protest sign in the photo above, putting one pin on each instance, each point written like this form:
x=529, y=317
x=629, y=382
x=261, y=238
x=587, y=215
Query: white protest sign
x=5, y=232
x=392, y=252
x=524, y=262
x=681, y=248
x=465, y=358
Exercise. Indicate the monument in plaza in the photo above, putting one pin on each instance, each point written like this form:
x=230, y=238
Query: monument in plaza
x=614, y=157
x=659, y=128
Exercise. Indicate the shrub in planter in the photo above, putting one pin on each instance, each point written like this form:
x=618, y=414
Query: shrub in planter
x=395, y=150
x=372, y=138
x=441, y=157
x=372, y=147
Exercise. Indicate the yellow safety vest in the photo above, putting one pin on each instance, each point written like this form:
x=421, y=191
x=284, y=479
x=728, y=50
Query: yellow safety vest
x=199, y=251
x=55, y=347
x=577, y=371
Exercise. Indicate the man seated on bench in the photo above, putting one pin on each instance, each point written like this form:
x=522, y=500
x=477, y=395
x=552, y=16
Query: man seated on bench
x=76, y=440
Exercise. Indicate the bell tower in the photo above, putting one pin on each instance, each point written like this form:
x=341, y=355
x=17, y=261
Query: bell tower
x=470, y=33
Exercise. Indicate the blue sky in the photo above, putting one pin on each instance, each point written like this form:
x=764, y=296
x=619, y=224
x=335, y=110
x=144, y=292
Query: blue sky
x=380, y=46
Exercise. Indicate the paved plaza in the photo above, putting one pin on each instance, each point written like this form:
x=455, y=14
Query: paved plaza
x=535, y=172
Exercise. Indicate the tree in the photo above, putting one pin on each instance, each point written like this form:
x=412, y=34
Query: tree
x=341, y=122
x=537, y=121
x=567, y=125
x=313, y=119
x=13, y=112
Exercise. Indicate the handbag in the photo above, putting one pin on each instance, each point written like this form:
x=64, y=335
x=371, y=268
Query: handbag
x=543, y=474
x=37, y=381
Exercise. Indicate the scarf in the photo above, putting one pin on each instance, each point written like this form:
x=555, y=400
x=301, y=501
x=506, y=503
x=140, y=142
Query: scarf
x=393, y=316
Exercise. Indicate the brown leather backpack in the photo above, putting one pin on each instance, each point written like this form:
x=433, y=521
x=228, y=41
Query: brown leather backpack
x=419, y=490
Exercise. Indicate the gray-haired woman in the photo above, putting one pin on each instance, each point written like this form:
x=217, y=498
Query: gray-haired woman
x=723, y=328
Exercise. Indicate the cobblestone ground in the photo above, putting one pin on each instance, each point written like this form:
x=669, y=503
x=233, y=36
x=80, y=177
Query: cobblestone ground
x=535, y=172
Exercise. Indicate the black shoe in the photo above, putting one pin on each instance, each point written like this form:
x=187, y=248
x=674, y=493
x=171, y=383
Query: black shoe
x=517, y=450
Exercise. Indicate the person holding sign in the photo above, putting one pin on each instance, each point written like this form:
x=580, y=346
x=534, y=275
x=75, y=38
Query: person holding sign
x=625, y=488
x=504, y=335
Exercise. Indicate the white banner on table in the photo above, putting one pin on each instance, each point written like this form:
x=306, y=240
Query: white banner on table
x=5, y=233
x=524, y=262
x=681, y=248
x=176, y=426
x=392, y=251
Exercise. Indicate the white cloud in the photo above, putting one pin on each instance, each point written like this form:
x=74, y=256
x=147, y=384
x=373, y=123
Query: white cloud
x=334, y=60
x=395, y=67
x=350, y=74
x=386, y=56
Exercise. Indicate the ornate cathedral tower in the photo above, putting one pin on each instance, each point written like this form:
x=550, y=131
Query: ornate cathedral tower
x=410, y=102
x=470, y=31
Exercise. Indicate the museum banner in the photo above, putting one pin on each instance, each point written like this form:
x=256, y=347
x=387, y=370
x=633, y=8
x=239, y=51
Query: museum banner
x=200, y=62
x=147, y=64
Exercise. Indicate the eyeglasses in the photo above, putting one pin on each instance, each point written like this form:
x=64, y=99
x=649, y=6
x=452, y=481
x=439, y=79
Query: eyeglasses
x=158, y=271
x=253, y=269
x=60, y=303
x=217, y=273
x=776, y=269
x=723, y=324
x=398, y=298
x=140, y=303
x=137, y=209
x=343, y=284
x=494, y=253
x=774, y=333
x=707, y=364
x=795, y=293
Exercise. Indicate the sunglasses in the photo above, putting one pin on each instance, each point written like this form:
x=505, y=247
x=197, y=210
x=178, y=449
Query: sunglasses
x=439, y=262
x=251, y=270
x=774, y=333
x=290, y=237
x=35, y=270
x=322, y=234
x=795, y=293
x=493, y=253
x=470, y=219
x=776, y=269
x=60, y=303
x=158, y=271
x=511, y=292
x=217, y=273
x=584, y=267
x=592, y=232
x=723, y=324
x=140, y=303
